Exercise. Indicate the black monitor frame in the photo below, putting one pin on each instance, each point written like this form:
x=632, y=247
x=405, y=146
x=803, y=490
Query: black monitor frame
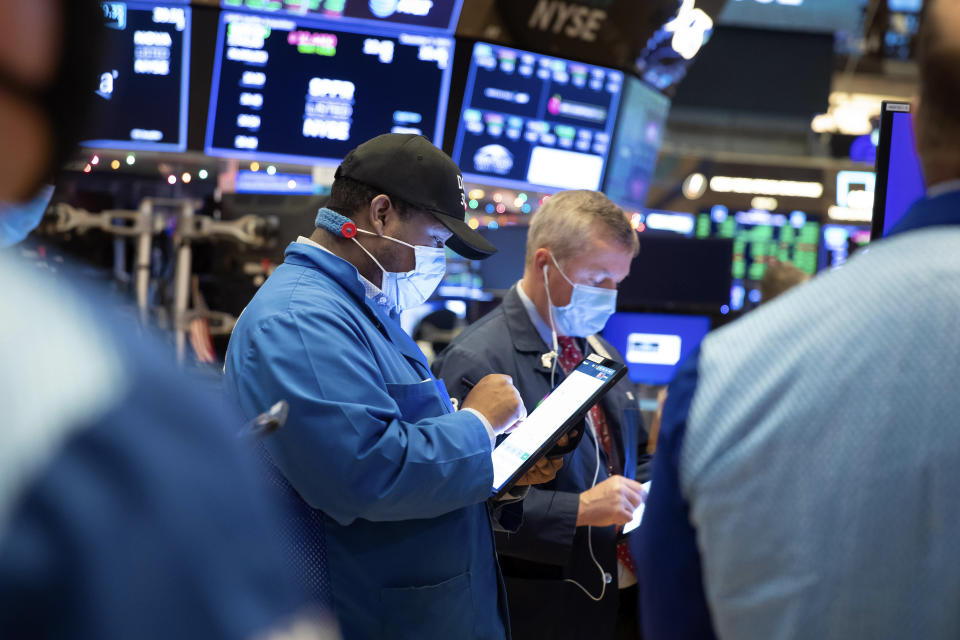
x=887, y=110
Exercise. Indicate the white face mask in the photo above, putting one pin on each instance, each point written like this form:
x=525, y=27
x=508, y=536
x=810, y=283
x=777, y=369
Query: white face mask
x=411, y=289
x=588, y=310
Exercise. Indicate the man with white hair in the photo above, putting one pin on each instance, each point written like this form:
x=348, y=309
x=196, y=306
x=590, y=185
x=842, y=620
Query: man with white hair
x=567, y=570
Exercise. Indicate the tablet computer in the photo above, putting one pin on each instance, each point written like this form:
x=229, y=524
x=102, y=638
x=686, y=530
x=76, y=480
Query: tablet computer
x=558, y=413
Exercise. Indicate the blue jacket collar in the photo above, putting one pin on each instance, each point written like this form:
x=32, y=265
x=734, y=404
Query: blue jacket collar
x=931, y=212
x=345, y=274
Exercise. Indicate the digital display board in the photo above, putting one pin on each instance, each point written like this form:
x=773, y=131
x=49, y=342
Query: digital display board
x=676, y=273
x=654, y=344
x=431, y=14
x=309, y=91
x=759, y=237
x=144, y=78
x=536, y=122
x=636, y=144
x=903, y=25
x=839, y=242
x=827, y=16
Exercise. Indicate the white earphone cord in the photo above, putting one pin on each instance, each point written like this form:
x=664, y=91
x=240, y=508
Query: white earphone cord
x=605, y=578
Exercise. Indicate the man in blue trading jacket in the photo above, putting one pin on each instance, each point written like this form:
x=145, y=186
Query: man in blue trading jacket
x=579, y=247
x=393, y=478
x=807, y=470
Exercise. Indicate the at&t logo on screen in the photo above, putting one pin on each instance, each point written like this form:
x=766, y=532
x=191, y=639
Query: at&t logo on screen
x=386, y=8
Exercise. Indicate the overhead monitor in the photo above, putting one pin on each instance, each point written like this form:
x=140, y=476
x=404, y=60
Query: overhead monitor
x=826, y=16
x=900, y=180
x=142, y=93
x=759, y=237
x=308, y=91
x=654, y=344
x=674, y=273
x=535, y=122
x=428, y=14
x=636, y=144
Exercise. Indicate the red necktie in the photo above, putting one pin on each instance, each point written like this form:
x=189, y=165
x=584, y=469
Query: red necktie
x=570, y=357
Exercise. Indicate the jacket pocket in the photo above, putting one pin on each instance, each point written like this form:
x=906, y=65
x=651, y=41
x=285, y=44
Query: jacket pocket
x=417, y=401
x=441, y=611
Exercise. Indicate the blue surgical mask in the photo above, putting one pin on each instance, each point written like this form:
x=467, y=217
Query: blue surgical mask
x=413, y=288
x=18, y=220
x=588, y=311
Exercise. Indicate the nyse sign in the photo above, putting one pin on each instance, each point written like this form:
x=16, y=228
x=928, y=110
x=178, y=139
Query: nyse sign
x=574, y=20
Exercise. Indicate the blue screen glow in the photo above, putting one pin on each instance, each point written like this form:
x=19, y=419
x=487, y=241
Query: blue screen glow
x=654, y=344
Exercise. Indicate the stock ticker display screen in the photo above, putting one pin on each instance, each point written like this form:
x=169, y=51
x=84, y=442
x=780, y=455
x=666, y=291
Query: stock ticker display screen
x=433, y=14
x=759, y=237
x=536, y=122
x=143, y=83
x=309, y=91
x=636, y=145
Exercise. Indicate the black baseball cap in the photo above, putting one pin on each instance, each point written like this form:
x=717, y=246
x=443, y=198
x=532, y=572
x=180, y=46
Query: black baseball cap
x=409, y=167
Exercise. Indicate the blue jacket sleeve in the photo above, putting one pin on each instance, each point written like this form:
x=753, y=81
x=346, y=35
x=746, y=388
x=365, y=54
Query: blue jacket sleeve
x=355, y=445
x=672, y=600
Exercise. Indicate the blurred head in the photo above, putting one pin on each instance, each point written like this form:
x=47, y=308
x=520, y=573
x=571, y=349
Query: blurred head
x=779, y=278
x=937, y=111
x=579, y=238
x=48, y=50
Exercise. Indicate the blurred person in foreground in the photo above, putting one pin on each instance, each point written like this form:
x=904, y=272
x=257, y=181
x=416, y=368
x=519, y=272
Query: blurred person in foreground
x=128, y=508
x=579, y=248
x=805, y=483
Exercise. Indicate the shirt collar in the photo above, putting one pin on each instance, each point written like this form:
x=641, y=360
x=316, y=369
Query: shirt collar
x=542, y=328
x=943, y=188
x=371, y=290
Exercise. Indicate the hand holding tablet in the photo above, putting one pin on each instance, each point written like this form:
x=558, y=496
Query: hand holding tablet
x=556, y=415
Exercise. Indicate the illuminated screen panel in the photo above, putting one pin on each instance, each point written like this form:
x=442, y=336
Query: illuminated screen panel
x=310, y=91
x=431, y=14
x=654, y=344
x=825, y=16
x=839, y=243
x=144, y=78
x=536, y=122
x=759, y=237
x=636, y=144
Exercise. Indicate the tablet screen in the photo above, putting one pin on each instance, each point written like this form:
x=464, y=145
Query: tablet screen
x=575, y=395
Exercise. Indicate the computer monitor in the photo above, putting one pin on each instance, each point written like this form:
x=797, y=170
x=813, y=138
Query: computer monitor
x=308, y=91
x=758, y=237
x=636, y=144
x=143, y=88
x=654, y=344
x=838, y=243
x=502, y=270
x=427, y=14
x=675, y=273
x=827, y=16
x=535, y=122
x=900, y=180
